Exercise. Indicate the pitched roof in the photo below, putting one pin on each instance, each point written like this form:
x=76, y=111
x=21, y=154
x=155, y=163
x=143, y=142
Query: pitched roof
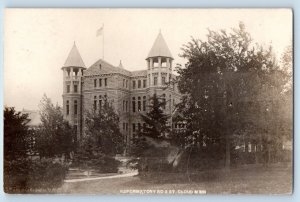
x=74, y=59
x=103, y=67
x=160, y=48
x=139, y=73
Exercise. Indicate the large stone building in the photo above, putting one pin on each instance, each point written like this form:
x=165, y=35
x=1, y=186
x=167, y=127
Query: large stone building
x=85, y=89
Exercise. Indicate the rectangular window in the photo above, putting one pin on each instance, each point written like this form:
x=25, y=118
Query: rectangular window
x=105, y=82
x=123, y=126
x=126, y=127
x=68, y=88
x=95, y=83
x=139, y=83
x=144, y=105
x=123, y=105
x=75, y=88
x=75, y=107
x=126, y=83
x=139, y=127
x=100, y=82
x=126, y=106
x=133, y=84
x=163, y=80
x=133, y=127
x=123, y=82
x=144, y=83
x=133, y=106
x=68, y=108
x=139, y=106
x=95, y=104
x=155, y=81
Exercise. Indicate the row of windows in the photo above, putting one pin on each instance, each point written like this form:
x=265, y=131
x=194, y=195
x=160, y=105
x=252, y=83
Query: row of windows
x=68, y=107
x=139, y=83
x=100, y=84
x=163, y=80
x=141, y=104
x=101, y=101
x=125, y=83
x=75, y=88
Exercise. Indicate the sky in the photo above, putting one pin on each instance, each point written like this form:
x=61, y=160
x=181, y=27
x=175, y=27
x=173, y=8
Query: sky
x=38, y=41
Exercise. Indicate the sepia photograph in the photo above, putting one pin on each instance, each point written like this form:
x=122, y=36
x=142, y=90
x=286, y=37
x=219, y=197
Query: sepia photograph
x=148, y=101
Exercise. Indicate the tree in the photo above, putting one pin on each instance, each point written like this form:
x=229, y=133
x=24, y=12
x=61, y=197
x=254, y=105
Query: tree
x=156, y=121
x=152, y=136
x=55, y=137
x=16, y=134
x=102, y=140
x=223, y=84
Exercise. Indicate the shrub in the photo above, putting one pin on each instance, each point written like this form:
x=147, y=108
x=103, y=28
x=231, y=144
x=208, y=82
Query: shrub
x=25, y=176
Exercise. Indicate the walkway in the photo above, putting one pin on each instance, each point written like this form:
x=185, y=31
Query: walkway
x=130, y=174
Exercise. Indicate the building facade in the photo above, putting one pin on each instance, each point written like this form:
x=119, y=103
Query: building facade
x=85, y=89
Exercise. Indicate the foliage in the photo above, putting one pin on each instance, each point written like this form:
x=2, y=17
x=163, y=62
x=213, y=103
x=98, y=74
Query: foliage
x=16, y=134
x=55, y=137
x=156, y=129
x=156, y=120
x=102, y=140
x=26, y=175
x=228, y=85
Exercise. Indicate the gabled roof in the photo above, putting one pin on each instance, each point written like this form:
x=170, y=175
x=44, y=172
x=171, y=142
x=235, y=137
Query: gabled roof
x=74, y=59
x=160, y=48
x=103, y=67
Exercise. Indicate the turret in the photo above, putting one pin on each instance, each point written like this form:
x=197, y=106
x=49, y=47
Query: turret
x=159, y=63
x=72, y=89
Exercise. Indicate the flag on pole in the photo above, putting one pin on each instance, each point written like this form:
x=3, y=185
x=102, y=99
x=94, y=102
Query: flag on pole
x=99, y=31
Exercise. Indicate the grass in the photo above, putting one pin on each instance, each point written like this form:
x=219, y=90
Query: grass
x=276, y=179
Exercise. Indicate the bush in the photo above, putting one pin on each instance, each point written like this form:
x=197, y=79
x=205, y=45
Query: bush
x=25, y=176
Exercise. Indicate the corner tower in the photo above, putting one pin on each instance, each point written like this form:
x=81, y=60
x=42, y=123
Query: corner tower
x=72, y=89
x=159, y=63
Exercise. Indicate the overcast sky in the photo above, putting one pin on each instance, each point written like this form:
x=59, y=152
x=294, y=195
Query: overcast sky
x=37, y=41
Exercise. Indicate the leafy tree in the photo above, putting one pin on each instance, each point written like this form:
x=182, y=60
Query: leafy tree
x=16, y=134
x=225, y=83
x=102, y=140
x=55, y=136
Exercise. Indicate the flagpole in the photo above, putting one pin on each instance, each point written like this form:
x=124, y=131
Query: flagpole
x=103, y=41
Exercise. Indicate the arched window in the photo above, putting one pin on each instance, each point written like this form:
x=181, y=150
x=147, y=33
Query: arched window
x=67, y=107
x=75, y=107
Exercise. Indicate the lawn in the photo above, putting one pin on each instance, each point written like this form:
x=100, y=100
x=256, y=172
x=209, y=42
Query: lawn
x=276, y=179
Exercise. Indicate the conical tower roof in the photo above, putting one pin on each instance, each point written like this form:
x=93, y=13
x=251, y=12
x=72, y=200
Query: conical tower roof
x=74, y=59
x=160, y=48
